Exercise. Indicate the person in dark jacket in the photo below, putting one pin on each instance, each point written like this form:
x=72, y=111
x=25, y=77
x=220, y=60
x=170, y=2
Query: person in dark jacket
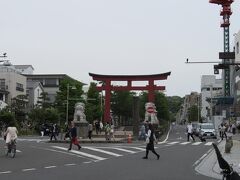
x=150, y=142
x=53, y=132
x=73, y=136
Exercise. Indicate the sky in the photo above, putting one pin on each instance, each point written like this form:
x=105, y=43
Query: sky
x=116, y=37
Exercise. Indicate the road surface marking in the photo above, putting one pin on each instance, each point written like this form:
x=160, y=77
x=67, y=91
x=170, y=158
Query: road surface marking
x=49, y=167
x=200, y=159
x=162, y=142
x=138, y=148
x=87, y=162
x=5, y=172
x=171, y=143
x=103, y=151
x=30, y=169
x=208, y=144
x=196, y=143
x=184, y=143
x=70, y=164
x=81, y=153
x=124, y=150
x=18, y=151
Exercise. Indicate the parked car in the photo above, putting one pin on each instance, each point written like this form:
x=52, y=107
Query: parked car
x=196, y=128
x=207, y=130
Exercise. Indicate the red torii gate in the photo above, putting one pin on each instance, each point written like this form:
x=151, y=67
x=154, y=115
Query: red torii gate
x=107, y=87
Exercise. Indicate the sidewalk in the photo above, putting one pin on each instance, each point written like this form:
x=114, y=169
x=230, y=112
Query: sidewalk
x=120, y=137
x=209, y=165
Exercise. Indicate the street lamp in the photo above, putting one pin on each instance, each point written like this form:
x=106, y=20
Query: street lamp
x=73, y=87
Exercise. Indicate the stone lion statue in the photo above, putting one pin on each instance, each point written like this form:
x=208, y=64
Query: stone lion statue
x=151, y=113
x=79, y=115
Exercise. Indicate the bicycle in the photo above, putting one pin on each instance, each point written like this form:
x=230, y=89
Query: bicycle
x=11, y=149
x=227, y=171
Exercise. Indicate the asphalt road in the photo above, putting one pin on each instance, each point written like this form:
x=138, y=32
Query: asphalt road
x=40, y=160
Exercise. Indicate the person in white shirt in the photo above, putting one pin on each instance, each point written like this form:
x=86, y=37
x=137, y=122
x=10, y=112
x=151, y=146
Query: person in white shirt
x=11, y=135
x=190, y=131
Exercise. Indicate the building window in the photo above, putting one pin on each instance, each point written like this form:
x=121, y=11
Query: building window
x=2, y=84
x=19, y=87
x=50, y=82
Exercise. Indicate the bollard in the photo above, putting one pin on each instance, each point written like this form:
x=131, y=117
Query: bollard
x=129, y=138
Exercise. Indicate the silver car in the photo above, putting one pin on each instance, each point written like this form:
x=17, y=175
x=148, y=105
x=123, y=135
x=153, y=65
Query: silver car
x=207, y=130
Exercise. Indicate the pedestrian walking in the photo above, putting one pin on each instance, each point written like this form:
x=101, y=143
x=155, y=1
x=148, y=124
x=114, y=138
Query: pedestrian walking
x=222, y=131
x=97, y=126
x=190, y=131
x=150, y=142
x=112, y=132
x=90, y=129
x=53, y=132
x=42, y=130
x=101, y=126
x=73, y=137
x=107, y=129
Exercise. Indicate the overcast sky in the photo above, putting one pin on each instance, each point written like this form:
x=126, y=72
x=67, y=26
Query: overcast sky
x=75, y=37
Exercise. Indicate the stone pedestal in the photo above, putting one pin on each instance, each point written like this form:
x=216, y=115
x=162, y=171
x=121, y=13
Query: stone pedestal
x=82, y=129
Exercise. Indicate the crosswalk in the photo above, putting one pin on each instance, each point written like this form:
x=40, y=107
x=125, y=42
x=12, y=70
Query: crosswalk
x=103, y=153
x=100, y=153
x=187, y=143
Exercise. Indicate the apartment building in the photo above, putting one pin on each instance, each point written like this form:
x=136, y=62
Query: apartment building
x=12, y=83
x=210, y=88
x=49, y=82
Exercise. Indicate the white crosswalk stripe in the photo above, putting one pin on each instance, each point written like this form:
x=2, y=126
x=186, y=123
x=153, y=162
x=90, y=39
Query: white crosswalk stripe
x=124, y=150
x=208, y=144
x=187, y=142
x=196, y=143
x=184, y=143
x=171, y=143
x=103, y=151
x=81, y=153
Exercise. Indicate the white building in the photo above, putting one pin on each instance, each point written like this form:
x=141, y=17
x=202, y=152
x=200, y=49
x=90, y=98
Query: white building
x=12, y=83
x=210, y=88
x=34, y=91
x=24, y=69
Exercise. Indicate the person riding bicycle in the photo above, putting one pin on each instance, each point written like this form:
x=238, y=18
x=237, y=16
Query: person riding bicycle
x=11, y=135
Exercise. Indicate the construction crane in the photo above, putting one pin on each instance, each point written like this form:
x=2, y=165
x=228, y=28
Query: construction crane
x=225, y=13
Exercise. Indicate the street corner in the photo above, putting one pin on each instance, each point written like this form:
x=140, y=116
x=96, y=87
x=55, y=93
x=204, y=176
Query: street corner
x=233, y=158
x=207, y=165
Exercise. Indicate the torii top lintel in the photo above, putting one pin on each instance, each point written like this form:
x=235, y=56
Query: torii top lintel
x=100, y=77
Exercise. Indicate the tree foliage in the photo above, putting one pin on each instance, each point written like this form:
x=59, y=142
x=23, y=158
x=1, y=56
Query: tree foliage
x=122, y=103
x=193, y=113
x=161, y=104
x=93, y=104
x=74, y=90
x=7, y=118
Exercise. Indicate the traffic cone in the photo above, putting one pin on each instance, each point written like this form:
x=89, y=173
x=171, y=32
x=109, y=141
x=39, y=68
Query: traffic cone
x=129, y=138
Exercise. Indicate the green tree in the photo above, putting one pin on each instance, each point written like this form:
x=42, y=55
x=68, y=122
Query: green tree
x=18, y=107
x=174, y=104
x=160, y=103
x=40, y=116
x=93, y=104
x=193, y=113
x=74, y=90
x=122, y=104
x=43, y=100
x=6, y=118
x=162, y=107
